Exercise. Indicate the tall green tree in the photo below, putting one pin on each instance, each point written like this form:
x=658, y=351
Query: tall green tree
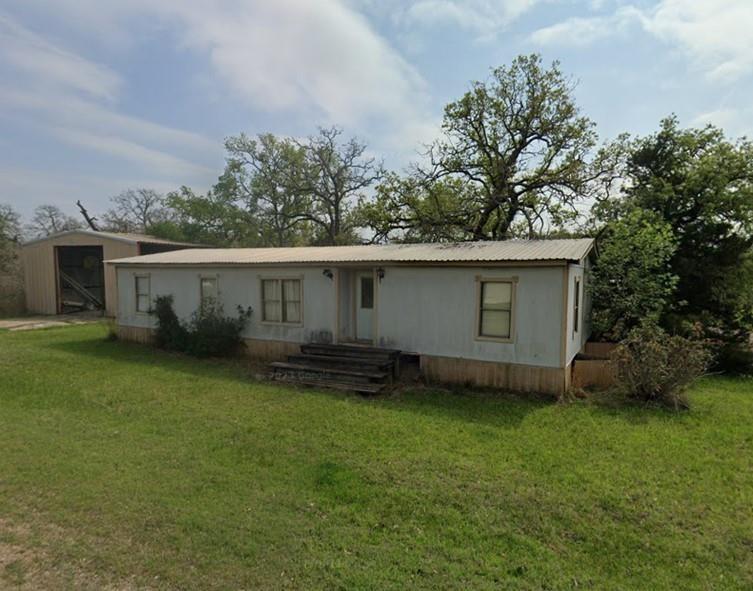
x=521, y=148
x=701, y=184
x=631, y=282
x=10, y=230
x=214, y=218
x=269, y=175
x=337, y=176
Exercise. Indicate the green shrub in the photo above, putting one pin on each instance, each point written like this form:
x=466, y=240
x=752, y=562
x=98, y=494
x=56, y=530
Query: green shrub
x=212, y=334
x=170, y=333
x=655, y=367
x=734, y=357
x=209, y=333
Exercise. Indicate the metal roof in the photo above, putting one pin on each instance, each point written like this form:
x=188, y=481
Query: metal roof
x=462, y=252
x=129, y=237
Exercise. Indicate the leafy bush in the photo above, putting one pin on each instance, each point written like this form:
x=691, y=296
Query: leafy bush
x=212, y=334
x=209, y=333
x=170, y=333
x=653, y=366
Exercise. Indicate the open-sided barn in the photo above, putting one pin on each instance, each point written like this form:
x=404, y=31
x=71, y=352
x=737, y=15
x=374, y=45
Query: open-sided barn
x=65, y=272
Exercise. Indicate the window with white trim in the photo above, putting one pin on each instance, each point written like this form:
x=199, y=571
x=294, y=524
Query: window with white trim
x=495, y=309
x=143, y=293
x=208, y=288
x=281, y=301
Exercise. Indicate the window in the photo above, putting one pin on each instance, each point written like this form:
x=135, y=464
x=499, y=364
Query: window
x=281, y=300
x=143, y=297
x=495, y=309
x=208, y=288
x=576, y=306
x=367, y=293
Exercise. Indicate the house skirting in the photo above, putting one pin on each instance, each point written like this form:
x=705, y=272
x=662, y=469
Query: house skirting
x=449, y=370
x=506, y=376
x=265, y=350
x=136, y=334
x=260, y=349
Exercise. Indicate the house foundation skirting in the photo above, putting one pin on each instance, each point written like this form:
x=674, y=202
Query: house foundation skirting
x=260, y=349
x=136, y=334
x=506, y=376
x=265, y=350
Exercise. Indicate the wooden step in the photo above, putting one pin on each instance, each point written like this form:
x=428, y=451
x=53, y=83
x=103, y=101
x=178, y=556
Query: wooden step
x=349, y=351
x=362, y=388
x=303, y=368
x=341, y=361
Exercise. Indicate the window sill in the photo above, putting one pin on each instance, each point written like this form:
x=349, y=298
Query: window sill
x=507, y=340
x=287, y=324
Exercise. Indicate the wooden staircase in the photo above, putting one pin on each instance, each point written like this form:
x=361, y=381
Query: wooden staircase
x=355, y=368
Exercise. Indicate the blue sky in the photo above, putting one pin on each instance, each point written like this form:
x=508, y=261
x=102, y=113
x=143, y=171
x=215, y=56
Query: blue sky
x=97, y=97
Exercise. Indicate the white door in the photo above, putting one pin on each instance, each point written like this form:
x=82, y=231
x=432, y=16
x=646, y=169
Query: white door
x=365, y=306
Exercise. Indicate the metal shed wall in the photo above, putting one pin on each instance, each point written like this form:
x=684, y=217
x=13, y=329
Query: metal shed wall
x=40, y=269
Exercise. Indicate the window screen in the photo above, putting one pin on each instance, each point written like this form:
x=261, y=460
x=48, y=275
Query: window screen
x=208, y=288
x=281, y=300
x=367, y=293
x=495, y=317
x=142, y=294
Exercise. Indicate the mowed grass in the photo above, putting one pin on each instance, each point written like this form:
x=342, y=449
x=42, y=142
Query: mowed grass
x=132, y=465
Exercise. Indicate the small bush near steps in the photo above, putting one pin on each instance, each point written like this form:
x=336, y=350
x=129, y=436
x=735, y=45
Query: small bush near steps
x=209, y=333
x=655, y=367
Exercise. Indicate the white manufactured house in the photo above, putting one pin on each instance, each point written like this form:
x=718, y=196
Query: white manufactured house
x=509, y=314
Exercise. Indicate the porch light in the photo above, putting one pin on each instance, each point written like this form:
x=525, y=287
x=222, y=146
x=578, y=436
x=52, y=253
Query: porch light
x=328, y=274
x=380, y=273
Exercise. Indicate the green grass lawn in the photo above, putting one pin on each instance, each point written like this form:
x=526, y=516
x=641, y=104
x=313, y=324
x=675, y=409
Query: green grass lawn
x=127, y=466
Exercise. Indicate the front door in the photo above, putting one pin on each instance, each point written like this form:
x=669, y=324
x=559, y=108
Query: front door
x=365, y=306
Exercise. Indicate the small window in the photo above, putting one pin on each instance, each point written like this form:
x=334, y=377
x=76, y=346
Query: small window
x=367, y=293
x=576, y=306
x=208, y=287
x=281, y=300
x=495, y=309
x=143, y=297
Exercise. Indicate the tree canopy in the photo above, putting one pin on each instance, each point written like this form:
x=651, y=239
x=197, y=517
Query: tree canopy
x=10, y=230
x=50, y=219
x=514, y=157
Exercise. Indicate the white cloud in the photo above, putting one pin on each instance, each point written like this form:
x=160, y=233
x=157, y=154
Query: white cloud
x=322, y=59
x=58, y=93
x=713, y=34
x=716, y=34
x=28, y=187
x=148, y=158
x=584, y=31
x=739, y=119
x=36, y=58
x=481, y=18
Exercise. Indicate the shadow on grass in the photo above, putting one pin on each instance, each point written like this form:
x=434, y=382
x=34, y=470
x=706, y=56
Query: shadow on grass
x=482, y=406
x=616, y=404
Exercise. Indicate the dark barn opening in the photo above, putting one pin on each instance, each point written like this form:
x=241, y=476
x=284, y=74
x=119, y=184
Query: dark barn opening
x=81, y=278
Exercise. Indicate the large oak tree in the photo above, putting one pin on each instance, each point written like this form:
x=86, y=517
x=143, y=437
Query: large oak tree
x=515, y=151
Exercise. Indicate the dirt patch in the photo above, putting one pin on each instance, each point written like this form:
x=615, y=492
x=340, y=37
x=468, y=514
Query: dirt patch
x=36, y=322
x=28, y=563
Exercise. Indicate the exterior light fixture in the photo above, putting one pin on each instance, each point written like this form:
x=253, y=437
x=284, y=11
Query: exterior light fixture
x=380, y=273
x=328, y=274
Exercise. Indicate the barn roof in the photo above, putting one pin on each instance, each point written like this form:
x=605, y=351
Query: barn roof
x=128, y=237
x=461, y=252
